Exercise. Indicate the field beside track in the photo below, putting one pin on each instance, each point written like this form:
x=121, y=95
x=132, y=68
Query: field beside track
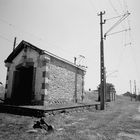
x=119, y=121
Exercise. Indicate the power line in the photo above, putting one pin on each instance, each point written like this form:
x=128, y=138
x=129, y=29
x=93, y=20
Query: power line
x=120, y=4
x=19, y=29
x=1, y=36
x=115, y=10
x=125, y=34
x=112, y=18
x=93, y=5
x=113, y=7
x=117, y=23
x=125, y=5
x=122, y=51
x=41, y=40
x=125, y=30
x=128, y=21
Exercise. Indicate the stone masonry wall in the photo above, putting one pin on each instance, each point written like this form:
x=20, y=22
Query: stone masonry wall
x=62, y=81
x=79, y=86
x=10, y=71
x=53, y=79
x=42, y=78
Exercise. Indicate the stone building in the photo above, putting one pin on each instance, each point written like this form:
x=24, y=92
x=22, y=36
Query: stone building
x=35, y=76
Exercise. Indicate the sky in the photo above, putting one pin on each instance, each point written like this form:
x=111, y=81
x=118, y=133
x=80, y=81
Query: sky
x=70, y=28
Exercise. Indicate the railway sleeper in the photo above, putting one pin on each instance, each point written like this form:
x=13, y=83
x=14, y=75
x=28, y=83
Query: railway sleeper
x=72, y=110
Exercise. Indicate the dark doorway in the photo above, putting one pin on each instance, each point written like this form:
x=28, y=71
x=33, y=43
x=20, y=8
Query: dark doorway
x=22, y=85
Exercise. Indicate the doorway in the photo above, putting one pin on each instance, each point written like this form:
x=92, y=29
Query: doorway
x=22, y=86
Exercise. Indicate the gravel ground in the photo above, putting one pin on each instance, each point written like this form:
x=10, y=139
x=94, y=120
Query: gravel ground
x=119, y=121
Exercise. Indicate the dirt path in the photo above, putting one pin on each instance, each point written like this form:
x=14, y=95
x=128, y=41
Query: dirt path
x=120, y=121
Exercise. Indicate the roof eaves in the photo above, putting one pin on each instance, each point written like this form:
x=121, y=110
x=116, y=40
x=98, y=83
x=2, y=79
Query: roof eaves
x=41, y=51
x=64, y=60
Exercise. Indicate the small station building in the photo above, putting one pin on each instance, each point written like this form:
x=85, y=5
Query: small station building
x=35, y=76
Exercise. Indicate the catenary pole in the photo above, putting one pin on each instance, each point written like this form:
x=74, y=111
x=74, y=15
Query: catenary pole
x=131, y=90
x=135, y=89
x=102, y=68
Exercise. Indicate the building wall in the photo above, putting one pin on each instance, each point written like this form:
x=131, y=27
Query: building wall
x=53, y=79
x=79, y=86
x=10, y=72
x=62, y=81
x=42, y=79
x=31, y=56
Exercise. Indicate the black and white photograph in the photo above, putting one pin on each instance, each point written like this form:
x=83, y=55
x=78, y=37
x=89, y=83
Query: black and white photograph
x=69, y=70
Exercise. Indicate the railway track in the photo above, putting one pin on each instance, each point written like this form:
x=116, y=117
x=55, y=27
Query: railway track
x=35, y=112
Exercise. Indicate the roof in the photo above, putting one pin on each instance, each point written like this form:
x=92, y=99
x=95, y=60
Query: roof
x=24, y=44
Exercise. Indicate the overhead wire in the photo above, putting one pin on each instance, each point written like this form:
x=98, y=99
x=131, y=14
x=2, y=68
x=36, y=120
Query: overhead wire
x=124, y=37
x=20, y=30
x=130, y=43
x=8, y=40
x=121, y=5
x=113, y=18
x=116, y=11
x=125, y=5
x=113, y=7
x=128, y=21
x=117, y=23
x=130, y=37
x=125, y=9
x=93, y=5
x=122, y=51
x=125, y=30
x=33, y=36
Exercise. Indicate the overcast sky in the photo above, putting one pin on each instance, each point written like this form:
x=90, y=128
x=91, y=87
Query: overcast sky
x=69, y=28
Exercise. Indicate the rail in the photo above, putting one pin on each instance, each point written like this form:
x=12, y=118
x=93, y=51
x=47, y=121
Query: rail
x=19, y=110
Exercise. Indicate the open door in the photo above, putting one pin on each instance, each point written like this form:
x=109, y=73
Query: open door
x=22, y=86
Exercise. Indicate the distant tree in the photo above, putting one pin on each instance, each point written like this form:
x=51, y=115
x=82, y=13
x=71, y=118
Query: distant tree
x=110, y=89
x=133, y=96
x=127, y=94
x=138, y=97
